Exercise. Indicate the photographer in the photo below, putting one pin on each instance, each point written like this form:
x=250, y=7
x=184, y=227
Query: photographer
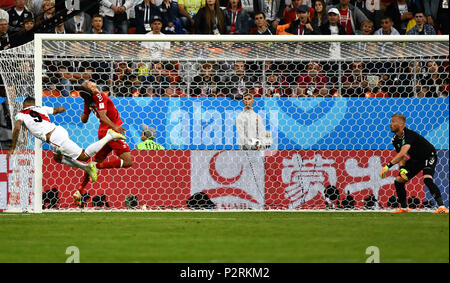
x=250, y=127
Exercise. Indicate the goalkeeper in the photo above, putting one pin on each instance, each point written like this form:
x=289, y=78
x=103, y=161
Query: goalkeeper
x=423, y=157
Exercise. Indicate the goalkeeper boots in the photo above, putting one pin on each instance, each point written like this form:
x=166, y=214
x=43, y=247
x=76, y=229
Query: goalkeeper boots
x=115, y=135
x=441, y=209
x=401, y=210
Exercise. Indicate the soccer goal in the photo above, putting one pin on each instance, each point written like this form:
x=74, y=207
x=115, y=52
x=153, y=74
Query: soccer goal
x=246, y=122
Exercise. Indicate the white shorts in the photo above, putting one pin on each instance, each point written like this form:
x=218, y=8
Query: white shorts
x=63, y=144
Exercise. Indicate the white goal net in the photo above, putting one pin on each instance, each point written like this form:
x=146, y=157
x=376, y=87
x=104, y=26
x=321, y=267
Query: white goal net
x=317, y=137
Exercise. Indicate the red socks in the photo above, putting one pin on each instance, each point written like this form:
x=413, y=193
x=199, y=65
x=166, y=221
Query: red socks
x=83, y=184
x=116, y=163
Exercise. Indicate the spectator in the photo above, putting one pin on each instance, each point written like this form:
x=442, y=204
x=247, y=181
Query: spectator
x=320, y=16
x=210, y=19
x=25, y=35
x=273, y=9
x=359, y=48
x=312, y=84
x=332, y=26
x=433, y=81
x=96, y=25
x=114, y=13
x=401, y=12
x=387, y=27
x=421, y=27
x=80, y=23
x=373, y=9
x=386, y=48
x=205, y=84
x=367, y=28
x=406, y=83
x=156, y=48
x=131, y=16
x=290, y=12
x=43, y=19
x=34, y=6
x=5, y=41
x=238, y=82
x=17, y=15
x=274, y=86
x=147, y=137
x=144, y=13
x=355, y=83
x=4, y=15
x=302, y=26
x=437, y=14
x=236, y=18
x=187, y=10
x=262, y=26
x=157, y=82
x=73, y=70
x=351, y=17
x=125, y=82
x=169, y=14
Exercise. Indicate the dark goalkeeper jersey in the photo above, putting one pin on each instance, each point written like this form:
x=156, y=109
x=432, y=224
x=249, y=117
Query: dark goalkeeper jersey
x=420, y=148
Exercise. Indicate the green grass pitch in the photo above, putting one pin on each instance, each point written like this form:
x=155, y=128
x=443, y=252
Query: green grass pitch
x=224, y=237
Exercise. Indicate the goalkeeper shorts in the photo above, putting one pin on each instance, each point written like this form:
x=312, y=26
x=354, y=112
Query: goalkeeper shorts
x=428, y=166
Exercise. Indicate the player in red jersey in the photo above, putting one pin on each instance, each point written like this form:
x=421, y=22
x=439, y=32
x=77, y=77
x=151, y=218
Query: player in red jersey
x=103, y=107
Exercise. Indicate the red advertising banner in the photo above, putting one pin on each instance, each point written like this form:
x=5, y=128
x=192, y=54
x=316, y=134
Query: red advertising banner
x=160, y=180
x=283, y=179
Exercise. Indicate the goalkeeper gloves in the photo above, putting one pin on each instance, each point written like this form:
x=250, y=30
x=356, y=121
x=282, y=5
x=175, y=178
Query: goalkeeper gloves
x=385, y=169
x=403, y=174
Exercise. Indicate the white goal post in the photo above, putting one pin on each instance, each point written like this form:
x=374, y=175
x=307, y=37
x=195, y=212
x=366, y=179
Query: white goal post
x=315, y=157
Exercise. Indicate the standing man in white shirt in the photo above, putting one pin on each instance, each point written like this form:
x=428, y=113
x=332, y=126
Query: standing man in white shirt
x=156, y=48
x=250, y=127
x=114, y=13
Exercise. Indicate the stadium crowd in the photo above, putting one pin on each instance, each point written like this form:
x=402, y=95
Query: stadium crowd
x=20, y=19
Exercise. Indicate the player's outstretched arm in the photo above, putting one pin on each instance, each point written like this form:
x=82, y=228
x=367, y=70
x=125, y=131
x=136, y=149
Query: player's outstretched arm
x=15, y=137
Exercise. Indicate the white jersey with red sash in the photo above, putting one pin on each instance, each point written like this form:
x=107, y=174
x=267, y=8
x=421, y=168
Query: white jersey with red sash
x=36, y=120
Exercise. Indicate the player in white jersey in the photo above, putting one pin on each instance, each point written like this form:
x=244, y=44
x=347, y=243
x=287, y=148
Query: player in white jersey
x=36, y=120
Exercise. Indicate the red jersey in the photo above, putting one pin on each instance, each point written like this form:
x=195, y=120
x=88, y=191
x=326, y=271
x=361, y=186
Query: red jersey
x=346, y=20
x=101, y=103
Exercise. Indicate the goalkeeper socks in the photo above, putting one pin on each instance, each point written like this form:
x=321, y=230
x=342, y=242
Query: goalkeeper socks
x=401, y=193
x=116, y=163
x=434, y=190
x=92, y=149
x=73, y=163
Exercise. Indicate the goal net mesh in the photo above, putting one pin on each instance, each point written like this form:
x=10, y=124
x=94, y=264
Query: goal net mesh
x=17, y=71
x=317, y=139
